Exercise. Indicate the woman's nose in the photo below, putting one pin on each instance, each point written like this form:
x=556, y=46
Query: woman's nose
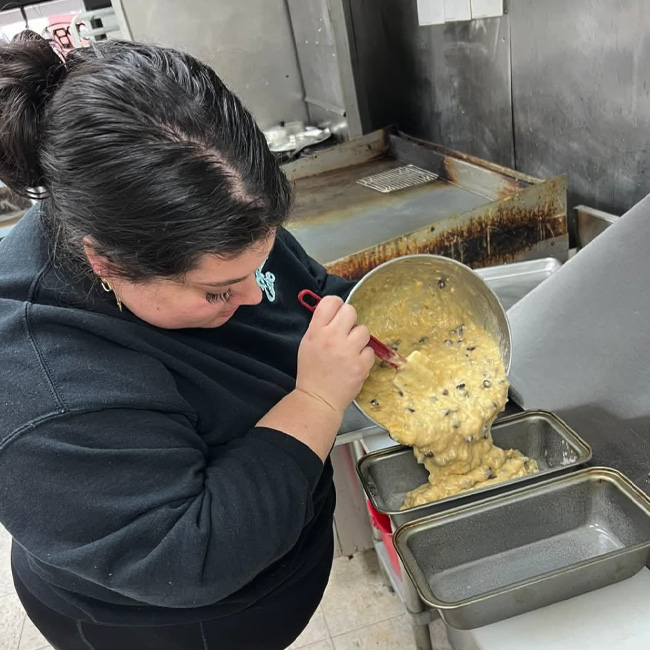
x=248, y=293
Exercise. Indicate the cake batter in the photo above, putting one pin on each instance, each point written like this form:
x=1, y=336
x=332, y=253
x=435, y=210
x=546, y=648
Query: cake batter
x=445, y=399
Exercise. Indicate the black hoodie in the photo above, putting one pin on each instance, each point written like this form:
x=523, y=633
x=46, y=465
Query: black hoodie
x=132, y=476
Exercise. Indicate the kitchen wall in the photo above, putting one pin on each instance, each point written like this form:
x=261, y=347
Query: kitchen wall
x=249, y=43
x=551, y=87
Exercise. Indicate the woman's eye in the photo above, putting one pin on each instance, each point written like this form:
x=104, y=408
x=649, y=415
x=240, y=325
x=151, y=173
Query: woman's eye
x=218, y=297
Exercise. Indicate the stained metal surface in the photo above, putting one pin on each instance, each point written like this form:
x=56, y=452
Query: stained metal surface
x=579, y=102
x=249, y=44
x=445, y=83
x=581, y=88
x=573, y=534
x=477, y=213
x=389, y=474
x=488, y=179
x=530, y=224
x=348, y=154
x=335, y=217
x=318, y=58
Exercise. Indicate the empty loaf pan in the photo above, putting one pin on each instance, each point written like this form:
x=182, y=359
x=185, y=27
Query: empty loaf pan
x=535, y=546
x=389, y=474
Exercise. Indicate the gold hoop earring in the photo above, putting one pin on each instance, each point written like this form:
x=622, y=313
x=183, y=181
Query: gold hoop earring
x=108, y=288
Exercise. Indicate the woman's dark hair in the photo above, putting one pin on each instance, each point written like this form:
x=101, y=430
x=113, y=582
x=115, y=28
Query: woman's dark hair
x=141, y=150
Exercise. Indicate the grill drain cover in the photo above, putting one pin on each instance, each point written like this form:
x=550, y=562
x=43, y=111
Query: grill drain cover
x=398, y=179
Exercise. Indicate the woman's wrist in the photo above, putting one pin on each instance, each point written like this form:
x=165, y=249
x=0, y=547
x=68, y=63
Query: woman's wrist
x=307, y=418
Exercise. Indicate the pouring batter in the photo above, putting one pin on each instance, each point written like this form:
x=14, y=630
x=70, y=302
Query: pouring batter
x=445, y=399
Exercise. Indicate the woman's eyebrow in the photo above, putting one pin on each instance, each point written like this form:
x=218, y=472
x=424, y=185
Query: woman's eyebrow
x=221, y=284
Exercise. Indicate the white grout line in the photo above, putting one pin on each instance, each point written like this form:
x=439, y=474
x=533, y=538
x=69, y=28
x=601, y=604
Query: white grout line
x=327, y=627
x=22, y=630
x=358, y=629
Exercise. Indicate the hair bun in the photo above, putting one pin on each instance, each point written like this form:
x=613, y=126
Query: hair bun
x=30, y=72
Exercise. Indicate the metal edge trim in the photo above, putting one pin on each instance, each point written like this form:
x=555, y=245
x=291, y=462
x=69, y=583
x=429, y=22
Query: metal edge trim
x=599, y=214
x=368, y=147
x=471, y=160
x=546, y=265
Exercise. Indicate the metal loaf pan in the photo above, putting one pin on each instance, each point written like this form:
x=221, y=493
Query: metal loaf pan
x=387, y=475
x=535, y=546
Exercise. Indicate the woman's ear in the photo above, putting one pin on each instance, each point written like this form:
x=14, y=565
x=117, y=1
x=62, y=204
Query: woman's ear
x=98, y=263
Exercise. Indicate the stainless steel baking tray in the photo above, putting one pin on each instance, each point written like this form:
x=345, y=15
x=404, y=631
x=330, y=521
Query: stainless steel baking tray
x=389, y=474
x=535, y=546
x=511, y=282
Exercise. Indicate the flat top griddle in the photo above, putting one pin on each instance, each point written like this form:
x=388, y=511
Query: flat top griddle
x=334, y=216
x=472, y=211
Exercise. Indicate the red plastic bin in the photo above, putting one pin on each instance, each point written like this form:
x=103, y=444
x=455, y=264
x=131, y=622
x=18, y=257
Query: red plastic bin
x=382, y=523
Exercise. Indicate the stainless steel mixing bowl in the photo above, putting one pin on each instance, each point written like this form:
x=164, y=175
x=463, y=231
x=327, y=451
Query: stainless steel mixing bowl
x=471, y=293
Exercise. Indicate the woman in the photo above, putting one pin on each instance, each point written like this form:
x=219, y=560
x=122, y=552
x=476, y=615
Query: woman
x=168, y=406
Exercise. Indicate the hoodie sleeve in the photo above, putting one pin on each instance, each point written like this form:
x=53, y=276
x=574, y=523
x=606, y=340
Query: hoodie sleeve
x=136, y=502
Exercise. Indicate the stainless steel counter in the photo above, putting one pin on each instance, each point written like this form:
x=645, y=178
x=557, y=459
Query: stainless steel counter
x=582, y=346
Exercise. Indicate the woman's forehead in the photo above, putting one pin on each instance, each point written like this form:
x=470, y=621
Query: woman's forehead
x=213, y=269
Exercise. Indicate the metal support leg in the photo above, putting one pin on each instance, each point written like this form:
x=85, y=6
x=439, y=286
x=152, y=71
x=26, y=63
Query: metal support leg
x=422, y=637
x=420, y=614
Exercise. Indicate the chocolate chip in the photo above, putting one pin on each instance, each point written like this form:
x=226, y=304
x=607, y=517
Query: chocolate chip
x=383, y=364
x=448, y=343
x=410, y=410
x=487, y=383
x=494, y=405
x=491, y=475
x=445, y=392
x=394, y=345
x=424, y=339
x=446, y=412
x=374, y=403
x=455, y=424
x=441, y=283
x=471, y=349
x=460, y=386
x=469, y=439
x=428, y=454
x=400, y=393
x=433, y=399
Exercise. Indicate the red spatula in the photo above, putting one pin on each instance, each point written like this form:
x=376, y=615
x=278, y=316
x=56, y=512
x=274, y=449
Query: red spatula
x=384, y=352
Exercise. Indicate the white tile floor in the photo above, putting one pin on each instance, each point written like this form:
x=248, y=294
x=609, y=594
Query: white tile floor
x=358, y=612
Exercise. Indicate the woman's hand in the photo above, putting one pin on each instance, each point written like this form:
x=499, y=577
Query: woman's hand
x=333, y=362
x=333, y=359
